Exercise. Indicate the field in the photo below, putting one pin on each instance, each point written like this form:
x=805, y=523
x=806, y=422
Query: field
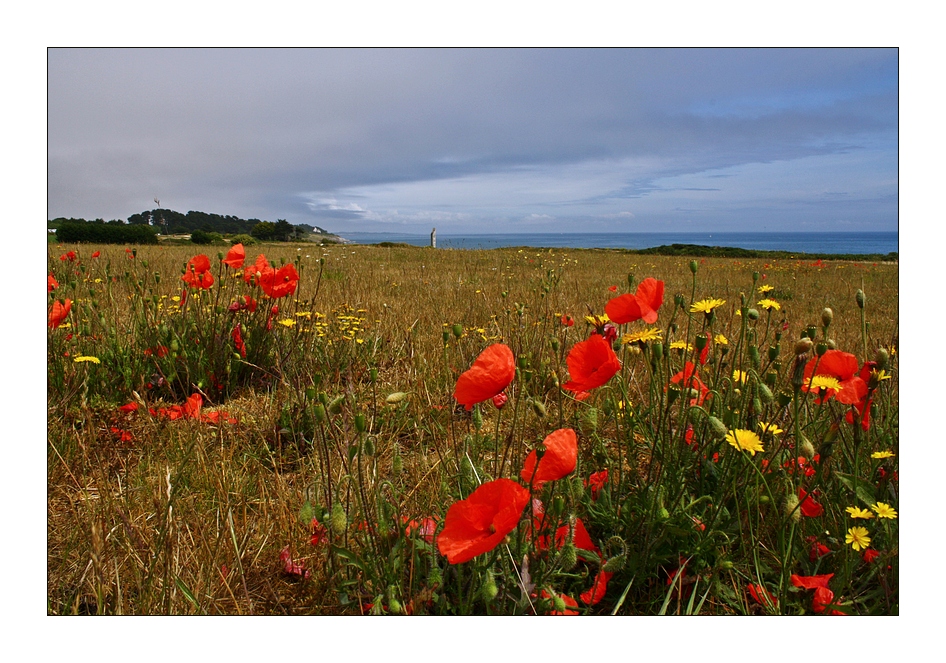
x=299, y=442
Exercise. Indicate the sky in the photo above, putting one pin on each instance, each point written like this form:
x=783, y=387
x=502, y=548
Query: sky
x=481, y=140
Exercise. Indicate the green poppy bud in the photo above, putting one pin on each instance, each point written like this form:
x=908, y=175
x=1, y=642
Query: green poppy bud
x=806, y=448
x=754, y=355
x=860, y=298
x=882, y=357
x=790, y=507
x=827, y=317
x=694, y=266
x=700, y=342
x=614, y=564
x=589, y=421
x=538, y=408
x=477, y=417
x=663, y=514
x=752, y=314
x=373, y=375
x=457, y=331
x=395, y=397
x=554, y=343
x=821, y=348
x=319, y=413
x=755, y=277
x=336, y=405
x=568, y=556
x=765, y=394
x=397, y=464
x=368, y=446
x=338, y=521
x=630, y=281
x=679, y=301
x=446, y=337
x=658, y=349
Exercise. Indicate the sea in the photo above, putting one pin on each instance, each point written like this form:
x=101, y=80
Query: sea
x=814, y=242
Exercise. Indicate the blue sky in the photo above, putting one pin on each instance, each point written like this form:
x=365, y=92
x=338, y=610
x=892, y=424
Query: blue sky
x=481, y=140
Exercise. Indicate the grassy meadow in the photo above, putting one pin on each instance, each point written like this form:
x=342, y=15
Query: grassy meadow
x=216, y=450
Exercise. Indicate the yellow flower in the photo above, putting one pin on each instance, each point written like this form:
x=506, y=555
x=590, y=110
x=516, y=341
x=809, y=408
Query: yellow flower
x=824, y=381
x=770, y=428
x=744, y=440
x=884, y=511
x=769, y=304
x=642, y=336
x=765, y=288
x=719, y=339
x=857, y=537
x=882, y=454
x=94, y=360
x=287, y=322
x=857, y=512
x=598, y=320
x=681, y=345
x=739, y=376
x=706, y=305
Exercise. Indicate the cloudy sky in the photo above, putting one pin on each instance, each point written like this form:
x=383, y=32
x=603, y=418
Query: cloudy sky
x=525, y=140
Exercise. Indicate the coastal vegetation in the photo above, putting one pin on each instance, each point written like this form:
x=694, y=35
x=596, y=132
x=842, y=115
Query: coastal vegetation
x=345, y=429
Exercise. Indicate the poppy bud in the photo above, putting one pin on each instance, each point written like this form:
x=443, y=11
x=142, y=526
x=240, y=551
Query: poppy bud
x=881, y=357
x=397, y=464
x=803, y=346
x=319, y=412
x=752, y=314
x=466, y=468
x=457, y=331
x=771, y=378
x=790, y=507
x=558, y=505
x=559, y=603
x=821, y=348
x=338, y=521
x=368, y=445
x=806, y=448
x=717, y=428
x=784, y=398
x=477, y=418
x=658, y=350
x=446, y=337
x=764, y=499
x=765, y=394
x=679, y=301
x=694, y=266
x=663, y=514
x=860, y=298
x=323, y=398
x=394, y=607
x=175, y=346
x=568, y=556
x=435, y=577
x=555, y=345
x=773, y=352
x=630, y=281
x=336, y=405
x=754, y=355
x=757, y=404
x=373, y=375
x=827, y=317
x=589, y=421
x=727, y=564
x=538, y=408
x=395, y=397
x=614, y=564
x=832, y=345
x=360, y=422
x=755, y=277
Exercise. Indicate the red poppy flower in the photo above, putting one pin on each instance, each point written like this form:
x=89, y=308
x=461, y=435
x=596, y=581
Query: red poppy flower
x=581, y=538
x=197, y=274
x=425, y=529
x=491, y=373
x=641, y=305
x=96, y=254
x=123, y=435
x=70, y=256
x=811, y=582
x=58, y=312
x=499, y=400
x=597, y=481
x=870, y=555
x=762, y=596
x=567, y=321
x=235, y=256
x=261, y=265
x=238, y=341
x=280, y=282
x=319, y=532
x=613, y=288
x=128, y=407
x=480, y=522
x=809, y=507
x=291, y=568
x=839, y=367
x=822, y=598
x=51, y=283
x=818, y=549
x=863, y=409
x=559, y=460
x=591, y=364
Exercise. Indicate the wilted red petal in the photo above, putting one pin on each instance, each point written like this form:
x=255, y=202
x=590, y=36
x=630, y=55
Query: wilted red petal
x=191, y=408
x=480, y=522
x=559, y=460
x=809, y=507
x=51, y=283
x=762, y=596
x=129, y=407
x=591, y=364
x=598, y=589
x=490, y=374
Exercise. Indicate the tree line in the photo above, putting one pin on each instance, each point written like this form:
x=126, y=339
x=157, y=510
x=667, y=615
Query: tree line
x=150, y=223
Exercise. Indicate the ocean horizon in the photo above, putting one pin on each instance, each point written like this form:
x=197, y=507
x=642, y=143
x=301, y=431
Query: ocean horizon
x=857, y=243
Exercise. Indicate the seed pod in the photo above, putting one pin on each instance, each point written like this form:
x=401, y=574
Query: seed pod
x=373, y=375
x=882, y=357
x=658, y=350
x=806, y=448
x=821, y=348
x=457, y=331
x=446, y=337
x=832, y=345
x=752, y=314
x=630, y=281
x=860, y=298
x=694, y=266
x=773, y=352
x=554, y=343
x=803, y=346
x=679, y=301
x=784, y=398
x=368, y=446
x=827, y=317
x=812, y=332
x=700, y=342
x=395, y=397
